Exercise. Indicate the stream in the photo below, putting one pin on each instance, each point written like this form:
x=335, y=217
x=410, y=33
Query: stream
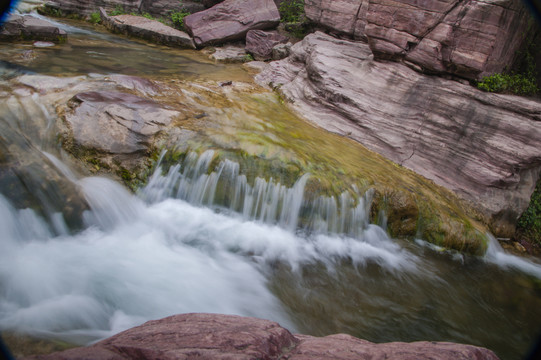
x=207, y=235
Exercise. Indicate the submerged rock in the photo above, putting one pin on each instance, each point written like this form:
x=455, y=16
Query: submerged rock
x=470, y=39
x=484, y=147
x=231, y=20
x=147, y=29
x=215, y=336
x=28, y=27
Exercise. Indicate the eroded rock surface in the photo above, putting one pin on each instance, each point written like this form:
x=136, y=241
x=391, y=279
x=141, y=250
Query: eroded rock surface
x=231, y=20
x=148, y=29
x=214, y=336
x=28, y=27
x=467, y=38
x=485, y=147
x=115, y=122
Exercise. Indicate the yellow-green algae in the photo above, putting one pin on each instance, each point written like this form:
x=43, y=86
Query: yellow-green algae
x=250, y=125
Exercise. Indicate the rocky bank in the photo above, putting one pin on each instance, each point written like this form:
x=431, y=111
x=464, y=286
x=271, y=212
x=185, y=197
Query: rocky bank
x=213, y=336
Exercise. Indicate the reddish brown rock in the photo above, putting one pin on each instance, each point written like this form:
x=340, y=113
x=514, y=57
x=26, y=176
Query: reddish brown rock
x=260, y=43
x=484, y=147
x=231, y=20
x=28, y=27
x=470, y=39
x=214, y=336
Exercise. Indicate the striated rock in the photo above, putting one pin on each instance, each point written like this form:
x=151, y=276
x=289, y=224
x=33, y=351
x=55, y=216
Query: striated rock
x=210, y=3
x=231, y=20
x=115, y=122
x=484, y=147
x=281, y=51
x=166, y=7
x=470, y=39
x=260, y=43
x=28, y=27
x=147, y=29
x=214, y=336
x=87, y=7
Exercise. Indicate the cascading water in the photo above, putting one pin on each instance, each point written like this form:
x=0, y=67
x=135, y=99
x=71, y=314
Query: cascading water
x=206, y=237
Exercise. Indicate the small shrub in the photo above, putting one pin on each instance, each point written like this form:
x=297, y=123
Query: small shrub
x=95, y=18
x=505, y=83
x=117, y=11
x=177, y=17
x=147, y=16
x=291, y=10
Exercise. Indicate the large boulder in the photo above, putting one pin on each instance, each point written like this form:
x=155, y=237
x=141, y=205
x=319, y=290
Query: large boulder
x=484, y=147
x=147, y=29
x=470, y=39
x=28, y=27
x=214, y=336
x=231, y=20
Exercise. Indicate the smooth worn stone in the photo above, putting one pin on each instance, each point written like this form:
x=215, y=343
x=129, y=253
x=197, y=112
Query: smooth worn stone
x=115, y=122
x=28, y=27
x=231, y=20
x=215, y=336
x=147, y=29
x=469, y=39
x=485, y=147
x=261, y=43
x=229, y=54
x=281, y=51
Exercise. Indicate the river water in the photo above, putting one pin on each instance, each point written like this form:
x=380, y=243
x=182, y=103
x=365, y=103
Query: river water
x=201, y=236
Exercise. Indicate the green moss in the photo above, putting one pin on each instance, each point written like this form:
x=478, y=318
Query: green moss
x=177, y=18
x=95, y=18
x=518, y=84
x=119, y=10
x=529, y=224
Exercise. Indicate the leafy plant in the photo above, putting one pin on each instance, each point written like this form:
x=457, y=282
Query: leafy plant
x=291, y=10
x=95, y=18
x=117, y=11
x=529, y=223
x=518, y=84
x=177, y=17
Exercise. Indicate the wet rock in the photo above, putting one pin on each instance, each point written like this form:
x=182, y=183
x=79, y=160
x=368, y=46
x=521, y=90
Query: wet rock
x=400, y=210
x=147, y=29
x=229, y=54
x=255, y=67
x=28, y=27
x=231, y=20
x=484, y=147
x=261, y=43
x=115, y=122
x=214, y=336
x=281, y=51
x=469, y=39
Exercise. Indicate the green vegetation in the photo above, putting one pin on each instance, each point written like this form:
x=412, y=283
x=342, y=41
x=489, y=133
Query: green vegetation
x=248, y=58
x=518, y=84
x=95, y=18
x=291, y=11
x=118, y=11
x=177, y=17
x=529, y=224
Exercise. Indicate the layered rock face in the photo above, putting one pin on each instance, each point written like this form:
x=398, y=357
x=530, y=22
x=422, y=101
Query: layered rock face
x=214, y=336
x=466, y=38
x=485, y=147
x=231, y=20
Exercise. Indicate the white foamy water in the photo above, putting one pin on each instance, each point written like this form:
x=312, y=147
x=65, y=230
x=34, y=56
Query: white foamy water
x=145, y=260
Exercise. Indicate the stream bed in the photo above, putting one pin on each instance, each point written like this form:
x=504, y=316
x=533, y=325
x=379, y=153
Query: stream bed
x=207, y=235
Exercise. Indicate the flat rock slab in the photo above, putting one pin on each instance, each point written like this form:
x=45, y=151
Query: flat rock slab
x=229, y=54
x=115, y=122
x=485, y=147
x=231, y=20
x=214, y=336
x=147, y=29
x=28, y=27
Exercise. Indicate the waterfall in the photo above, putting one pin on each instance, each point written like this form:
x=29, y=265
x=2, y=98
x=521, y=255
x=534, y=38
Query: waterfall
x=266, y=201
